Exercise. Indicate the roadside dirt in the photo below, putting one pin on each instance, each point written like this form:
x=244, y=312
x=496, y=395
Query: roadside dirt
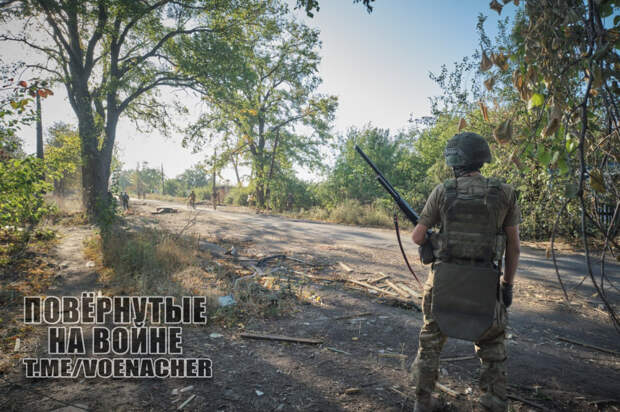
x=368, y=343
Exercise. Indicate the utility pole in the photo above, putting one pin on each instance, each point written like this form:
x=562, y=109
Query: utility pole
x=162, y=178
x=214, y=196
x=138, y=180
x=39, y=129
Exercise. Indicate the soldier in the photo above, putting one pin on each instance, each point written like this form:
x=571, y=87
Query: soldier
x=192, y=200
x=464, y=296
x=125, y=200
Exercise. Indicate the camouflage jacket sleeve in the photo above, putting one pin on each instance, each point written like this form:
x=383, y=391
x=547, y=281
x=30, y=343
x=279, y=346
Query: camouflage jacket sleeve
x=513, y=214
x=430, y=215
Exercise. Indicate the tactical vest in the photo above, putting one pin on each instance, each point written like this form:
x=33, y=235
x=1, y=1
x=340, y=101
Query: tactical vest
x=466, y=281
x=469, y=223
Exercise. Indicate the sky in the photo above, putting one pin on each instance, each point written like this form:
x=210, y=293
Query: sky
x=377, y=64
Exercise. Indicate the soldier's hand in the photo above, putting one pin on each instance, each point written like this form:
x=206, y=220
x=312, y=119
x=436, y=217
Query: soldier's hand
x=426, y=251
x=507, y=293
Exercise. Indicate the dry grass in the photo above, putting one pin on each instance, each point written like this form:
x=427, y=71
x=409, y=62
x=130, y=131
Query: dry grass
x=352, y=212
x=26, y=269
x=156, y=262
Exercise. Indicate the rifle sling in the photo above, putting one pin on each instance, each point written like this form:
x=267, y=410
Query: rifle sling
x=400, y=244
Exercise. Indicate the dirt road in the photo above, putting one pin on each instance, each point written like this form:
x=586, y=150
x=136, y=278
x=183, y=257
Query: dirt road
x=368, y=343
x=538, y=359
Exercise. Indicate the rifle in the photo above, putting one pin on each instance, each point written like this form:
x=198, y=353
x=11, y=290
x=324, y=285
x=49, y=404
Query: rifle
x=402, y=204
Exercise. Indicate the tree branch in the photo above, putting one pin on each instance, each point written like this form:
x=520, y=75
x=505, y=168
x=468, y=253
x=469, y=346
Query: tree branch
x=127, y=66
x=102, y=18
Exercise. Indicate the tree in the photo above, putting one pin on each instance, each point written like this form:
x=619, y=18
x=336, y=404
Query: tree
x=112, y=56
x=193, y=177
x=268, y=94
x=62, y=157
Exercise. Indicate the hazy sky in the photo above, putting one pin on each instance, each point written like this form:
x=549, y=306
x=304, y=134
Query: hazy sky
x=377, y=64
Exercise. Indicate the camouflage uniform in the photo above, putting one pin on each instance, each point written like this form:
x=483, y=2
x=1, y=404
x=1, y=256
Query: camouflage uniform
x=490, y=347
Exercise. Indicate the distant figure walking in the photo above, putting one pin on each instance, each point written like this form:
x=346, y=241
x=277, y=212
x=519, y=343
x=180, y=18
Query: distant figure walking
x=125, y=200
x=192, y=200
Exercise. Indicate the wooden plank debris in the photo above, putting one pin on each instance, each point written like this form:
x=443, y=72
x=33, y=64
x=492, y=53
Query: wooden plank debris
x=371, y=287
x=187, y=401
x=258, y=335
x=398, y=392
x=410, y=291
x=587, y=345
x=345, y=267
x=315, y=277
x=392, y=355
x=396, y=288
x=458, y=358
x=380, y=278
x=447, y=390
x=337, y=350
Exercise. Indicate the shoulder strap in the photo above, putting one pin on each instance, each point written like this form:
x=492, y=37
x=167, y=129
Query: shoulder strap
x=450, y=187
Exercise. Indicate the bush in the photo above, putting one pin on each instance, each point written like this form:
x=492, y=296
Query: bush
x=238, y=196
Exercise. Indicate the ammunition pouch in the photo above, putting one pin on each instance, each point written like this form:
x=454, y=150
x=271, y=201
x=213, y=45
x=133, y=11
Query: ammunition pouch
x=427, y=250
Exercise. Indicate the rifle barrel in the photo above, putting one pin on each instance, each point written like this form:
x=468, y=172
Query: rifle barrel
x=402, y=203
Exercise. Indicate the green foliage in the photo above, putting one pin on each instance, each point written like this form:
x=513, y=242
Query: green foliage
x=238, y=196
x=267, y=91
x=112, y=56
x=21, y=192
x=352, y=178
x=63, y=158
x=21, y=177
x=534, y=75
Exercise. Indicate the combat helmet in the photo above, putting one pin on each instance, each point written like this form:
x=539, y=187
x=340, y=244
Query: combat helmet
x=465, y=149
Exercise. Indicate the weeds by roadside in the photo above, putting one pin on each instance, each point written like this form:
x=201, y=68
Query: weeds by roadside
x=149, y=261
x=25, y=269
x=352, y=212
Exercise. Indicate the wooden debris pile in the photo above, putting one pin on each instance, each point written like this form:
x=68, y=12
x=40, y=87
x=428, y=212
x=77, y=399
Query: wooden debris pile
x=400, y=294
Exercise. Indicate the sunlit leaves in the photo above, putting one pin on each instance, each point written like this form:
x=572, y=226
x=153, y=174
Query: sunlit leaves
x=536, y=100
x=597, y=181
x=571, y=144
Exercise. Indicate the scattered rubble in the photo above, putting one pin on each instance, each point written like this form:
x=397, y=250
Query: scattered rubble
x=162, y=210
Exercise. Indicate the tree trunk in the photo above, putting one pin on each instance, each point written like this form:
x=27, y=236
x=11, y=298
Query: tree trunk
x=95, y=164
x=214, y=191
x=270, y=175
x=234, y=162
